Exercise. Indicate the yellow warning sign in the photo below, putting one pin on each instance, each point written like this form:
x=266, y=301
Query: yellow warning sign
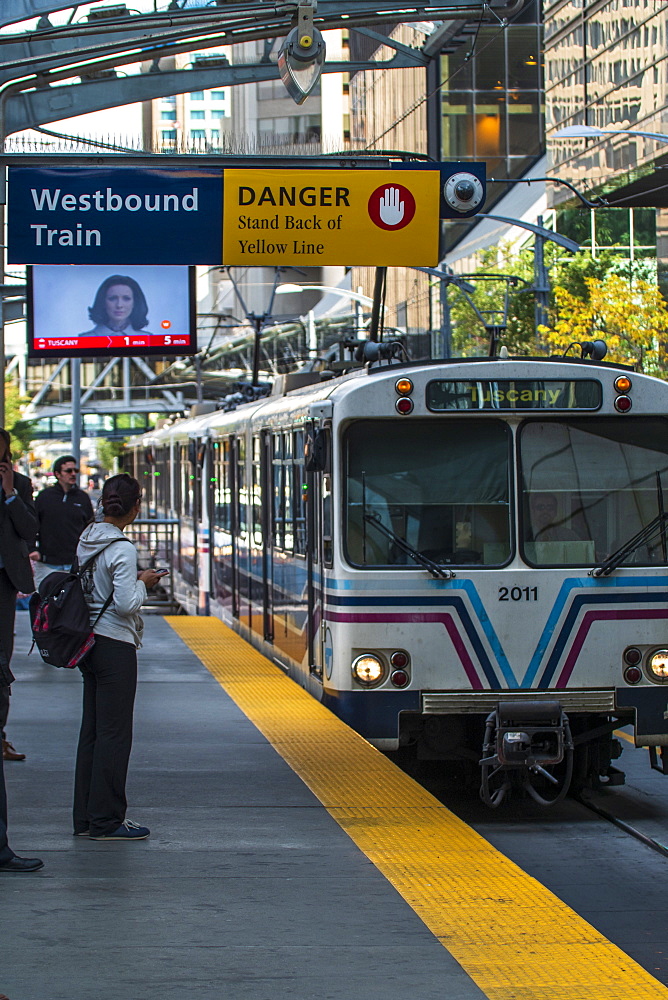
x=322, y=217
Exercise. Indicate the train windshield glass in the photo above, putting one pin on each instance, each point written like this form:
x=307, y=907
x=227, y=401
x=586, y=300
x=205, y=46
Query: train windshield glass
x=440, y=489
x=588, y=486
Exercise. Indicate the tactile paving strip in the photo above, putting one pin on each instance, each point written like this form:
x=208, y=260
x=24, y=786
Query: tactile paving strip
x=513, y=937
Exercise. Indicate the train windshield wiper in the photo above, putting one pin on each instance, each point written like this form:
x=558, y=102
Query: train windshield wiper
x=439, y=572
x=656, y=527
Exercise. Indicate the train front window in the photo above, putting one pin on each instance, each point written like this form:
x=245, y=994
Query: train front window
x=438, y=487
x=588, y=486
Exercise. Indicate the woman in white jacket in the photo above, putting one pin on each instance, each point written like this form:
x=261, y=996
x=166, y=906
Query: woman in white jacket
x=110, y=669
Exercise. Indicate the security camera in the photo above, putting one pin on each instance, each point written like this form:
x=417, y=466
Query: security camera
x=463, y=192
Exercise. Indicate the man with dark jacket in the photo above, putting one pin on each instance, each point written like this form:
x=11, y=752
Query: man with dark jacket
x=18, y=524
x=63, y=511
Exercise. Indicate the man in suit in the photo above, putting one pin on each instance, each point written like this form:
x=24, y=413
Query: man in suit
x=18, y=525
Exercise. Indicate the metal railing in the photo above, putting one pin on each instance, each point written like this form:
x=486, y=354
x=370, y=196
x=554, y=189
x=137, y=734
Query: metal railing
x=157, y=542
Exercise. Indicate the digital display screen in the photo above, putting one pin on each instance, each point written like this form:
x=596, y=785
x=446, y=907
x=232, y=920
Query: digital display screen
x=82, y=310
x=519, y=394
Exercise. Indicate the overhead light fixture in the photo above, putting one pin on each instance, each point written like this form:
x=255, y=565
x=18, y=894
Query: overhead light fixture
x=302, y=54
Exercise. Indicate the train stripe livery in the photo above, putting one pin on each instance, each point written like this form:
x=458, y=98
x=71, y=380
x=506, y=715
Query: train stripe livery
x=466, y=560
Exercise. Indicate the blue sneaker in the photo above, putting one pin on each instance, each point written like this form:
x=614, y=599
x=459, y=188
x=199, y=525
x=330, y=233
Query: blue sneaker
x=126, y=831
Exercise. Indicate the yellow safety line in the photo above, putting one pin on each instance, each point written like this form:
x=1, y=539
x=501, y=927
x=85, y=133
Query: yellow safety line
x=625, y=736
x=512, y=936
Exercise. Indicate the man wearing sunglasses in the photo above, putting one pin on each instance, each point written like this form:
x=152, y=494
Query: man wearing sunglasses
x=63, y=511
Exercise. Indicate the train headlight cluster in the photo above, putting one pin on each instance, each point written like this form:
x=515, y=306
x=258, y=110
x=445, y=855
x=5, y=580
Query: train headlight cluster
x=404, y=387
x=368, y=669
x=657, y=666
x=623, y=402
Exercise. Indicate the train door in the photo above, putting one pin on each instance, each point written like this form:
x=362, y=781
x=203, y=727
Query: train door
x=319, y=540
x=262, y=501
x=188, y=511
x=241, y=535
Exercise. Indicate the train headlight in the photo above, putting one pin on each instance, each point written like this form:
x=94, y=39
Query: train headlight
x=368, y=669
x=657, y=666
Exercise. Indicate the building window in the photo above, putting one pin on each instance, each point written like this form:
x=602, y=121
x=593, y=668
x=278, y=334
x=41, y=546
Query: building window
x=197, y=133
x=168, y=116
x=198, y=95
x=198, y=115
x=217, y=95
x=218, y=113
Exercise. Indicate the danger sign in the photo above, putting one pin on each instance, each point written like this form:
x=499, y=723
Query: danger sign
x=321, y=217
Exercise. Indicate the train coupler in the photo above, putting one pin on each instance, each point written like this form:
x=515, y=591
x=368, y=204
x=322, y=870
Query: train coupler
x=523, y=739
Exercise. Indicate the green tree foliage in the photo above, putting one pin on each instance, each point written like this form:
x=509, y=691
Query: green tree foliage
x=579, y=284
x=632, y=317
x=108, y=451
x=469, y=337
x=21, y=430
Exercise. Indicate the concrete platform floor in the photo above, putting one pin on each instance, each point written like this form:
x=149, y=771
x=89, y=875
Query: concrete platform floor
x=246, y=889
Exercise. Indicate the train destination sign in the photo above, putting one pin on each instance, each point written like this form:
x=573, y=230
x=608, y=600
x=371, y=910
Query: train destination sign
x=315, y=217
x=520, y=394
x=209, y=215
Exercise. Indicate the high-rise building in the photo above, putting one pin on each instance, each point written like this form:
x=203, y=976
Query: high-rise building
x=604, y=67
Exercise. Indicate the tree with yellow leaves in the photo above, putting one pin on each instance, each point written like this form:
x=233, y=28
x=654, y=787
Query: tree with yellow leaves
x=632, y=318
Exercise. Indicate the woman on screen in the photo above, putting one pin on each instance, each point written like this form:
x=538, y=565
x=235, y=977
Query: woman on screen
x=120, y=306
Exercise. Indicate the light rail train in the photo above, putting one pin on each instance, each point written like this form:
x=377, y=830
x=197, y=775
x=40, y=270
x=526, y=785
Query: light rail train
x=464, y=560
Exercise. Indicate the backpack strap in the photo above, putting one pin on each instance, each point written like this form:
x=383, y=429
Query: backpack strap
x=102, y=610
x=82, y=569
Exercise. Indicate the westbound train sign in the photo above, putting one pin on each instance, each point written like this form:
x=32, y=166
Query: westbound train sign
x=210, y=215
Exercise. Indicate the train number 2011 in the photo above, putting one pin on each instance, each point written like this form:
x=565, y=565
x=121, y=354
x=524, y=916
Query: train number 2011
x=518, y=593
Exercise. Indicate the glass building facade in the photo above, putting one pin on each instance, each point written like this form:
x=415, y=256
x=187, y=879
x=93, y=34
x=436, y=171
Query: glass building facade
x=605, y=65
x=492, y=99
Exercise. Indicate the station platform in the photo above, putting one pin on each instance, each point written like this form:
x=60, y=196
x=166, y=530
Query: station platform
x=287, y=857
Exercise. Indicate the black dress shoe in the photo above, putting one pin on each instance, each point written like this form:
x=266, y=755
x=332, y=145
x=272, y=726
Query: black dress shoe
x=20, y=865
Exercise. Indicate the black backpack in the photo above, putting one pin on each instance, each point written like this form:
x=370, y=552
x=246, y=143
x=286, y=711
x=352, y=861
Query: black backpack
x=60, y=616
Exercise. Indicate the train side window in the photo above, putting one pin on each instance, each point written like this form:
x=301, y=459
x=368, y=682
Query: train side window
x=278, y=474
x=187, y=470
x=299, y=493
x=282, y=487
x=288, y=512
x=242, y=489
x=257, y=491
x=176, y=505
x=327, y=539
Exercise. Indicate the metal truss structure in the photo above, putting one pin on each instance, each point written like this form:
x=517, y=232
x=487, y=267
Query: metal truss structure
x=39, y=62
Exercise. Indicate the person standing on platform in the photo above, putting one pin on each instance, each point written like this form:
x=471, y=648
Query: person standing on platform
x=18, y=525
x=110, y=669
x=10, y=863
x=63, y=511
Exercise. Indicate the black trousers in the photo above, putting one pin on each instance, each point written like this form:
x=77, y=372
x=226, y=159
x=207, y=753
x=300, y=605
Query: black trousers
x=105, y=740
x=6, y=853
x=7, y=618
